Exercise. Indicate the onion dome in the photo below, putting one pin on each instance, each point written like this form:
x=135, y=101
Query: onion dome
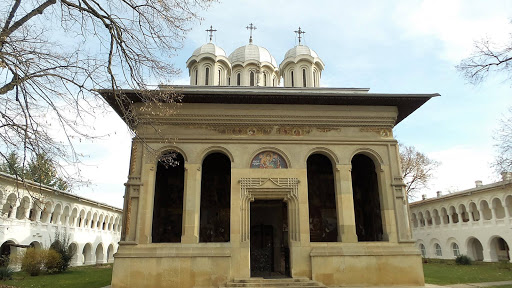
x=252, y=53
x=209, y=65
x=302, y=52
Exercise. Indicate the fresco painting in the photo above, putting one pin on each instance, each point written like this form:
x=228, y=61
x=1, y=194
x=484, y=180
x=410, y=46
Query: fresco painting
x=268, y=160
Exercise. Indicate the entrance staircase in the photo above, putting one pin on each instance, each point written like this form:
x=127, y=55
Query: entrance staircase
x=273, y=283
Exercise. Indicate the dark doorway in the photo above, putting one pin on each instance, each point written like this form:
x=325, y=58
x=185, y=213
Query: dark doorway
x=323, y=223
x=168, y=200
x=270, y=254
x=366, y=199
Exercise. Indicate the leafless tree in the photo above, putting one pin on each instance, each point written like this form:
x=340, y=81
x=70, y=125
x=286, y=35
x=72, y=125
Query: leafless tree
x=54, y=55
x=487, y=57
x=503, y=147
x=417, y=169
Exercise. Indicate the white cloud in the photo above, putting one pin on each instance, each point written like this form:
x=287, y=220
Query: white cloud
x=460, y=167
x=455, y=23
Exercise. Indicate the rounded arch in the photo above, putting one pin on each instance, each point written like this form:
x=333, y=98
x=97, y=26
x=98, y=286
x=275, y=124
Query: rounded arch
x=169, y=149
x=436, y=217
x=422, y=248
x=473, y=211
x=73, y=249
x=94, y=223
x=499, y=210
x=87, y=254
x=445, y=218
x=508, y=204
x=35, y=245
x=81, y=218
x=110, y=253
x=325, y=151
x=9, y=205
x=24, y=206
x=8, y=251
x=100, y=254
x=217, y=149
x=486, y=212
x=475, y=249
x=499, y=249
x=65, y=215
x=414, y=220
x=372, y=154
x=272, y=149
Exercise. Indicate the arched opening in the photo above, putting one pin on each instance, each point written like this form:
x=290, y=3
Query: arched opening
x=455, y=249
x=21, y=212
x=367, y=210
x=499, y=210
x=195, y=76
x=304, y=78
x=215, y=198
x=206, y=75
x=499, y=250
x=444, y=216
x=168, y=200
x=291, y=77
x=323, y=224
x=81, y=218
x=251, y=78
x=438, y=250
x=238, y=79
x=73, y=248
x=414, y=220
x=88, y=220
x=87, y=254
x=94, y=223
x=6, y=250
x=475, y=249
x=99, y=254
x=421, y=219
x=428, y=218
x=9, y=205
x=423, y=250
x=437, y=218
x=72, y=218
x=463, y=213
x=454, y=215
x=35, y=245
x=265, y=79
x=219, y=77
x=485, y=210
x=508, y=205
x=314, y=79
x=110, y=253
x=65, y=216
x=473, y=210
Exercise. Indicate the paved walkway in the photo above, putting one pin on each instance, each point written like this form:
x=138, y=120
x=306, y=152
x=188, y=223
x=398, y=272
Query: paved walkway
x=467, y=285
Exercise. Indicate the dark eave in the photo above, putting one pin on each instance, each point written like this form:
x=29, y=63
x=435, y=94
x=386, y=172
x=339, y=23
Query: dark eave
x=406, y=103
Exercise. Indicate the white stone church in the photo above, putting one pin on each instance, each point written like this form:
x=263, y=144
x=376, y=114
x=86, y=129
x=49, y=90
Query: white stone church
x=275, y=177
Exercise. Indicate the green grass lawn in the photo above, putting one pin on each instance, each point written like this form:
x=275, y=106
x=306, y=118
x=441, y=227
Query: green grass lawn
x=447, y=272
x=75, y=277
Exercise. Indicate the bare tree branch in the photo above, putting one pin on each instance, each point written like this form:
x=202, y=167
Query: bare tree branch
x=417, y=169
x=54, y=55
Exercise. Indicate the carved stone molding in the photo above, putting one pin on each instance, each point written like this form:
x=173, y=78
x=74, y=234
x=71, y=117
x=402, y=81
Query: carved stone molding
x=285, y=189
x=383, y=132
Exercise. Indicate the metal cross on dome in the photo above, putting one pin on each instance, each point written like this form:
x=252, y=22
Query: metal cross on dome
x=210, y=31
x=251, y=27
x=299, y=32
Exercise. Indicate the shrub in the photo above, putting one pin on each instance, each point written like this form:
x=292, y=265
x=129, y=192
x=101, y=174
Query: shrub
x=463, y=260
x=32, y=261
x=6, y=273
x=52, y=261
x=62, y=246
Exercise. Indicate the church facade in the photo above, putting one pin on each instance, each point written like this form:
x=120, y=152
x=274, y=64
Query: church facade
x=249, y=177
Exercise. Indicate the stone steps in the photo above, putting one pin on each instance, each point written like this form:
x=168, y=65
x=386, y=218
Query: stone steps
x=273, y=283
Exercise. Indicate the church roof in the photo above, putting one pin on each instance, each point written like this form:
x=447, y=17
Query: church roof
x=251, y=52
x=209, y=48
x=300, y=50
x=405, y=103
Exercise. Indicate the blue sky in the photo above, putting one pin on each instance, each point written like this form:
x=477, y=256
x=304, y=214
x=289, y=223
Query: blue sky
x=388, y=46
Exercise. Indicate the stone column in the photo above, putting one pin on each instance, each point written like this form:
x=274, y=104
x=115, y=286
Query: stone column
x=191, y=203
x=345, y=204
